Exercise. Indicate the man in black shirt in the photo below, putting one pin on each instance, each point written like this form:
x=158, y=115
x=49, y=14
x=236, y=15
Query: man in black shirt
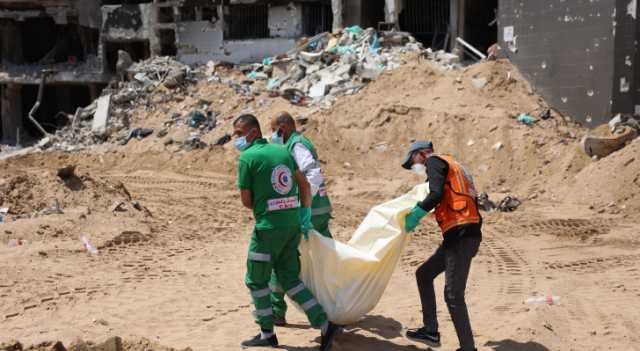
x=453, y=196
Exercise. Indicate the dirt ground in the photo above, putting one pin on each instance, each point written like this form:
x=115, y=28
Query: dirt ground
x=172, y=235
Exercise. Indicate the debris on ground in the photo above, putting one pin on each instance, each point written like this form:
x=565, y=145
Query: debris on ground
x=611, y=137
x=509, y=204
x=87, y=245
x=485, y=204
x=137, y=133
x=112, y=112
x=525, y=118
x=329, y=65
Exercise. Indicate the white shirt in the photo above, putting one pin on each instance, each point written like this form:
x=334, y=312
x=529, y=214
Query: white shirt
x=308, y=166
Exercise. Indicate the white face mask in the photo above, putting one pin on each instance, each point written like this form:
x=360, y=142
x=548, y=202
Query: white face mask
x=419, y=169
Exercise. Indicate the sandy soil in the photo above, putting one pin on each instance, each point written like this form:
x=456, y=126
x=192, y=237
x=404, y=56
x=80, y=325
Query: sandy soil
x=171, y=272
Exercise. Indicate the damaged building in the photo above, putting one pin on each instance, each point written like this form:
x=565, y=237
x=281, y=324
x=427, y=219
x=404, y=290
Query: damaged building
x=582, y=56
x=62, y=53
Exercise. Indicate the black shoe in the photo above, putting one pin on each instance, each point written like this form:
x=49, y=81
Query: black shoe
x=327, y=338
x=257, y=341
x=461, y=349
x=279, y=321
x=422, y=335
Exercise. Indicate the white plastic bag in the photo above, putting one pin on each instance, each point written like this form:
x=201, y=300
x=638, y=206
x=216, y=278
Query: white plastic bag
x=349, y=279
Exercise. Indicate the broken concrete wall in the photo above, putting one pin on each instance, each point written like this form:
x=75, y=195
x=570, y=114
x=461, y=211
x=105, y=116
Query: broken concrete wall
x=625, y=87
x=10, y=113
x=201, y=41
x=198, y=41
x=89, y=13
x=285, y=21
x=569, y=51
x=129, y=22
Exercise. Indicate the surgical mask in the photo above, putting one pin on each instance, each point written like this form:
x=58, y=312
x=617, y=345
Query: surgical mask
x=276, y=138
x=419, y=169
x=241, y=143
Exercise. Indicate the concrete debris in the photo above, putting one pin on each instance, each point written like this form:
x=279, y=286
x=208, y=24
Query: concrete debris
x=194, y=143
x=55, y=209
x=331, y=65
x=509, y=204
x=137, y=133
x=479, y=82
x=110, y=114
x=602, y=146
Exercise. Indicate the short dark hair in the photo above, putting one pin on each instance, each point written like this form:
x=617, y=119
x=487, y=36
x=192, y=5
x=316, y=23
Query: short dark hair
x=286, y=119
x=249, y=120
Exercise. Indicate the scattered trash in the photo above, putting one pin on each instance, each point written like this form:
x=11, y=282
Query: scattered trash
x=55, y=209
x=543, y=300
x=509, y=204
x=193, y=143
x=497, y=146
x=484, y=203
x=138, y=133
x=479, y=83
x=223, y=140
x=119, y=207
x=526, y=119
x=546, y=114
x=87, y=245
x=3, y=213
x=16, y=242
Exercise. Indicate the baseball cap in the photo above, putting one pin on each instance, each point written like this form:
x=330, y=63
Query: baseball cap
x=415, y=146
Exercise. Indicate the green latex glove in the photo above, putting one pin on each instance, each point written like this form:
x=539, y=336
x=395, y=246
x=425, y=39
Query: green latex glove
x=413, y=218
x=305, y=222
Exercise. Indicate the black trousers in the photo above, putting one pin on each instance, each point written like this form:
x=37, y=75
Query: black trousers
x=454, y=259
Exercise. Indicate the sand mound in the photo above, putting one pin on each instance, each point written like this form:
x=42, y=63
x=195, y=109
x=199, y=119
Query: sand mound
x=30, y=193
x=371, y=130
x=612, y=182
x=111, y=344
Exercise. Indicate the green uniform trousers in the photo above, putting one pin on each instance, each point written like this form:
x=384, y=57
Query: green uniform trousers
x=277, y=251
x=320, y=224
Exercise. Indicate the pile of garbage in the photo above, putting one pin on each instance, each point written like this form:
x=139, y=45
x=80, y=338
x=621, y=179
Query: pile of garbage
x=111, y=113
x=327, y=66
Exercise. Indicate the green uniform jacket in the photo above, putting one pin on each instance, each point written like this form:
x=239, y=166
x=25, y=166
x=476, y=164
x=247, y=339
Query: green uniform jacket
x=268, y=172
x=321, y=205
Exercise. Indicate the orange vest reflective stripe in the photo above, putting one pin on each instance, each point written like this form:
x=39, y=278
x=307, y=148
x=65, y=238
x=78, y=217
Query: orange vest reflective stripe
x=458, y=205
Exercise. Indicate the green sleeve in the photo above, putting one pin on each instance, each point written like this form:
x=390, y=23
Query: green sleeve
x=244, y=176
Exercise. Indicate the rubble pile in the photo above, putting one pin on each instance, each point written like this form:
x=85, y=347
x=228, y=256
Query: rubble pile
x=315, y=73
x=149, y=84
x=327, y=66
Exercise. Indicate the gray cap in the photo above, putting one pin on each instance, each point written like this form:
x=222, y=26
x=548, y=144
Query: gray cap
x=417, y=145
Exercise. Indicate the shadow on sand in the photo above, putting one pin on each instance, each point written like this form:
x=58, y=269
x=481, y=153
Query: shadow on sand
x=511, y=345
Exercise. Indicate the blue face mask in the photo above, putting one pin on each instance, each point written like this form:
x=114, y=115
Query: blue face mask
x=276, y=138
x=241, y=143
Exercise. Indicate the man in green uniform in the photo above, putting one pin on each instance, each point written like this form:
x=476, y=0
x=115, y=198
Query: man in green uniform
x=269, y=181
x=305, y=156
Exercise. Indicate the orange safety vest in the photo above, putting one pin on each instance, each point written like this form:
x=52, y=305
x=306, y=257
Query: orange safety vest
x=458, y=205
